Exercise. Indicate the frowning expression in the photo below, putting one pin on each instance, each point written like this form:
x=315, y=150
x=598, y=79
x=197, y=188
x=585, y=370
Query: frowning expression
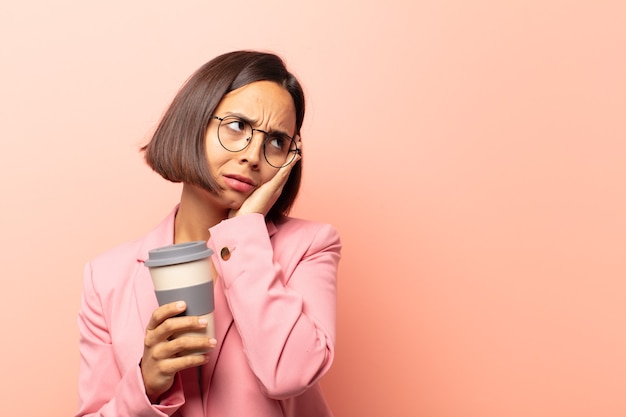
x=268, y=107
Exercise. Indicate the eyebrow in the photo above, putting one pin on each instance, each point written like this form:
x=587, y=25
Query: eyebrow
x=254, y=122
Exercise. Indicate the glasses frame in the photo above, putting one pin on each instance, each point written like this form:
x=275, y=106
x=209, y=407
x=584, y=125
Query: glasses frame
x=295, y=152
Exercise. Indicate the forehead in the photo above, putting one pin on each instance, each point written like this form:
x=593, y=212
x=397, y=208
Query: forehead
x=266, y=104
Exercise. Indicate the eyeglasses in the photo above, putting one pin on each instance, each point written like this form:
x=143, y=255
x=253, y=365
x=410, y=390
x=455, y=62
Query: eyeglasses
x=235, y=135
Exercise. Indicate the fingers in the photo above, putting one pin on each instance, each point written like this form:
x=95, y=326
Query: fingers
x=164, y=312
x=276, y=184
x=280, y=179
x=180, y=347
x=172, y=343
x=164, y=370
x=158, y=374
x=163, y=324
x=282, y=174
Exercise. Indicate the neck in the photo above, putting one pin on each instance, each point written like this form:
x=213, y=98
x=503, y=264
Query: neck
x=196, y=214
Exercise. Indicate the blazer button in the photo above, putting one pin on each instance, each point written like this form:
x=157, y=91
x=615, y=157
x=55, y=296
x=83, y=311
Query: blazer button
x=225, y=253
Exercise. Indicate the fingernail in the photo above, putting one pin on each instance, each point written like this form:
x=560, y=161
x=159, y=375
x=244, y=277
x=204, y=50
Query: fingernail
x=202, y=321
x=180, y=305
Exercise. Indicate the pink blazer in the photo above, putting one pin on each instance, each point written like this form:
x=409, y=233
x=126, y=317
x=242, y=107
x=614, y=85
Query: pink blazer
x=274, y=314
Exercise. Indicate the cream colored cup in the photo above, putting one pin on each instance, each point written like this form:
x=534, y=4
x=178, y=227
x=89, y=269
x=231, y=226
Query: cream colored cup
x=183, y=272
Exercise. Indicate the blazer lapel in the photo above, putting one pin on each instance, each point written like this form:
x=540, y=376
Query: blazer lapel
x=162, y=235
x=223, y=321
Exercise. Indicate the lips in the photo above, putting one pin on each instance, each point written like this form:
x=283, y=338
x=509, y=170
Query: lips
x=239, y=183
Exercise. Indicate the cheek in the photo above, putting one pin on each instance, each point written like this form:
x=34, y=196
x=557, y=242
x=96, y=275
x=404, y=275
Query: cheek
x=216, y=155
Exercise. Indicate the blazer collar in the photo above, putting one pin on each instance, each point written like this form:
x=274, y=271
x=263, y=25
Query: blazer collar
x=163, y=235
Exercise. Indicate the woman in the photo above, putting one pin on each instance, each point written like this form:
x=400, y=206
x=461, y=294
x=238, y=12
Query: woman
x=232, y=137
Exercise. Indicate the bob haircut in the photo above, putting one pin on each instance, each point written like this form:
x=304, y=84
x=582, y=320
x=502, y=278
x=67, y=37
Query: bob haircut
x=177, y=149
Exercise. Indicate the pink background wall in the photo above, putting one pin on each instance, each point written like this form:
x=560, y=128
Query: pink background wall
x=472, y=154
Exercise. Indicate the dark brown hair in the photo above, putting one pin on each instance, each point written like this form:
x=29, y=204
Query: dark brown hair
x=177, y=149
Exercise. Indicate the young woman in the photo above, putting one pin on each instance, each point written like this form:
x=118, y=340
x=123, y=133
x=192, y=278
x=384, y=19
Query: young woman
x=232, y=138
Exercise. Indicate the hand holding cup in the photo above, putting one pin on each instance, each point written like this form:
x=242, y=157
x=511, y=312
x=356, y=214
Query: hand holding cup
x=181, y=331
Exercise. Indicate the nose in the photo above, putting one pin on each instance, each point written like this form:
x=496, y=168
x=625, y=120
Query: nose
x=253, y=153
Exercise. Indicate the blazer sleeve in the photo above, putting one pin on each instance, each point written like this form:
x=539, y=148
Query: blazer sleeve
x=283, y=304
x=104, y=389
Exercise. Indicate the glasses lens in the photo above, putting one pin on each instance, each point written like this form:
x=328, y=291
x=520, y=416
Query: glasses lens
x=234, y=133
x=279, y=150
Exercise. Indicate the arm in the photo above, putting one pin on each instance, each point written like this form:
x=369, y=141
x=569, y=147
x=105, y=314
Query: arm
x=104, y=390
x=285, y=313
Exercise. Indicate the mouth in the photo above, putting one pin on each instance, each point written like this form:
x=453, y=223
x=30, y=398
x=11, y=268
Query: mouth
x=239, y=183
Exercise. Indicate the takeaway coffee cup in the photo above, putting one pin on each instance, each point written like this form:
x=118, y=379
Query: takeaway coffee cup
x=183, y=272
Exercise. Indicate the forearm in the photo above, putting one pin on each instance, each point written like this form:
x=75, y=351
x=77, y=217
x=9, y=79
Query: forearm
x=107, y=387
x=285, y=314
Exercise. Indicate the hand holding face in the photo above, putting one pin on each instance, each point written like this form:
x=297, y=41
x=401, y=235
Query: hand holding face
x=164, y=354
x=263, y=198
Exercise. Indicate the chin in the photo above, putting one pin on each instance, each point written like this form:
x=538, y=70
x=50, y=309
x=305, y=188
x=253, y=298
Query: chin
x=234, y=204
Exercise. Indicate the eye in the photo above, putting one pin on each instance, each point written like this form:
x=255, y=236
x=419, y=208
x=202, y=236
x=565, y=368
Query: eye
x=279, y=142
x=235, y=125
